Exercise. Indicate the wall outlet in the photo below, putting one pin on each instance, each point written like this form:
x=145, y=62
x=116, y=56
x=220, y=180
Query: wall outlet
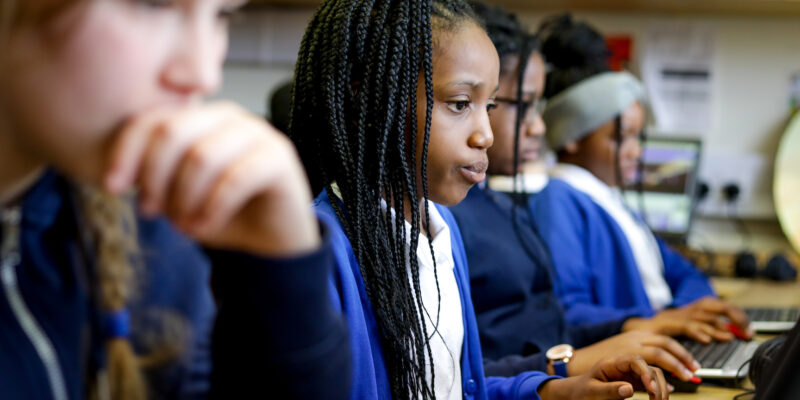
x=752, y=172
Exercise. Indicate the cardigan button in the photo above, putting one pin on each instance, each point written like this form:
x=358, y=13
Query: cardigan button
x=470, y=387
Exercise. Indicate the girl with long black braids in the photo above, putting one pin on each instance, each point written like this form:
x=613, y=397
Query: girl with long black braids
x=607, y=262
x=391, y=108
x=518, y=313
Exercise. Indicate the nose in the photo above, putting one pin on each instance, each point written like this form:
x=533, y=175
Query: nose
x=536, y=128
x=482, y=137
x=631, y=149
x=194, y=66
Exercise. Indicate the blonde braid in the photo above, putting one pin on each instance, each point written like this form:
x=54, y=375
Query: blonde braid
x=112, y=224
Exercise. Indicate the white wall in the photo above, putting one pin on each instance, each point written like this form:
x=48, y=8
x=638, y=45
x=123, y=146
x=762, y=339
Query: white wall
x=263, y=49
x=250, y=85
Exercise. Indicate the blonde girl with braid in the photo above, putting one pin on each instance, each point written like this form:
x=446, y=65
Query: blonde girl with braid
x=113, y=173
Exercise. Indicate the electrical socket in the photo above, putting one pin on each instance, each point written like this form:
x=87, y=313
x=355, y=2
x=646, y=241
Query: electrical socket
x=751, y=172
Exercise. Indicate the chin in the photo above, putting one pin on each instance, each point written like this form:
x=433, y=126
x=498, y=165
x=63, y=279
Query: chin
x=456, y=195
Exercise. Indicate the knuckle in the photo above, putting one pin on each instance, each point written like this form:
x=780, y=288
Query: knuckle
x=168, y=131
x=236, y=177
x=199, y=156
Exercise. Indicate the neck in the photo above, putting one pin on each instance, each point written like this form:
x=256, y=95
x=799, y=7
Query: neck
x=17, y=172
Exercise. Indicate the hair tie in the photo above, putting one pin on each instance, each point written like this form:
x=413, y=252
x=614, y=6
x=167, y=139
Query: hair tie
x=117, y=324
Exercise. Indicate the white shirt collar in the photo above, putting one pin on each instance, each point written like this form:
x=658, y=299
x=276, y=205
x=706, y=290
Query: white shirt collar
x=527, y=183
x=641, y=241
x=586, y=182
x=438, y=230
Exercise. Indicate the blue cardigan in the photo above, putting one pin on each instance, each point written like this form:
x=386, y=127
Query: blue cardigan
x=306, y=357
x=370, y=379
x=597, y=277
x=519, y=315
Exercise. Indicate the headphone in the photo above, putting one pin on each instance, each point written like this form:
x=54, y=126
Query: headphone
x=763, y=357
x=778, y=268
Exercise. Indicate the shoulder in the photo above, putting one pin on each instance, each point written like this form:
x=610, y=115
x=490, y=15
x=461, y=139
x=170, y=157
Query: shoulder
x=559, y=198
x=560, y=189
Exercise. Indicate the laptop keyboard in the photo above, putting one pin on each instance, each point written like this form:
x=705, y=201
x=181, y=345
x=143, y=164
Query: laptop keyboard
x=784, y=314
x=713, y=355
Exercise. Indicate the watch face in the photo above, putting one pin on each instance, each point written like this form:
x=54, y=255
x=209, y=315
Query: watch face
x=559, y=352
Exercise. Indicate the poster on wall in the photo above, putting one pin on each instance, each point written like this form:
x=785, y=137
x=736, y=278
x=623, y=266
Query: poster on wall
x=678, y=70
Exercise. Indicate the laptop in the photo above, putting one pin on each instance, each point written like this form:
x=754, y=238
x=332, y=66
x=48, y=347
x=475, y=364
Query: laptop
x=722, y=360
x=668, y=184
x=772, y=319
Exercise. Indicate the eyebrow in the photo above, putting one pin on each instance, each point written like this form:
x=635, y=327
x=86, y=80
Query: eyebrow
x=470, y=84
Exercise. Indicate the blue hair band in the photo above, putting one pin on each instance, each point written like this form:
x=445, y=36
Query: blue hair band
x=117, y=324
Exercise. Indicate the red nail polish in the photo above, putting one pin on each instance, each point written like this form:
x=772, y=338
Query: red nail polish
x=696, y=380
x=736, y=331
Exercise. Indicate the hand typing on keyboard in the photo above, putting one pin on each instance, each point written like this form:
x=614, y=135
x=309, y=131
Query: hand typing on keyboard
x=658, y=350
x=703, y=320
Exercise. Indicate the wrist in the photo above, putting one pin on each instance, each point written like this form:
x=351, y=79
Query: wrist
x=633, y=324
x=554, y=389
x=558, y=358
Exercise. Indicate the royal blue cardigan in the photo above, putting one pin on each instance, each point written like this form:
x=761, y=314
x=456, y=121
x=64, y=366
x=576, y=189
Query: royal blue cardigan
x=370, y=379
x=597, y=277
x=275, y=330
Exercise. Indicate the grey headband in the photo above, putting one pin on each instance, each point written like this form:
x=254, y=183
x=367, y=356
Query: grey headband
x=579, y=110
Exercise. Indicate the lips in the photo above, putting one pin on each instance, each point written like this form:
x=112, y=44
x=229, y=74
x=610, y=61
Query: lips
x=529, y=154
x=475, y=172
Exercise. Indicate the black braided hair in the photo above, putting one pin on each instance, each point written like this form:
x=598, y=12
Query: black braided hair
x=574, y=50
x=354, y=122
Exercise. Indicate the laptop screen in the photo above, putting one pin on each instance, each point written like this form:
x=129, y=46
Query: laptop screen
x=668, y=189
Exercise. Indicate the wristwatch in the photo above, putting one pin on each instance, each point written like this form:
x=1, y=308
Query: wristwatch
x=558, y=356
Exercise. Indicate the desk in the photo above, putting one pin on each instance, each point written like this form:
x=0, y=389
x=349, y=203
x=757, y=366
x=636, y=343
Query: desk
x=704, y=393
x=743, y=292
x=749, y=292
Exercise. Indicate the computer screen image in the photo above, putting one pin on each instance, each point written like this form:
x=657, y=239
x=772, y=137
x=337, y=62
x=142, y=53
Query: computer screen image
x=668, y=181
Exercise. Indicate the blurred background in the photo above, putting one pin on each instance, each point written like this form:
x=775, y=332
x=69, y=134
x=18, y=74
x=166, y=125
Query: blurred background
x=723, y=72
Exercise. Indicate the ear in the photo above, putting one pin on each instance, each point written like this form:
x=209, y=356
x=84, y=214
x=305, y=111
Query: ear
x=571, y=147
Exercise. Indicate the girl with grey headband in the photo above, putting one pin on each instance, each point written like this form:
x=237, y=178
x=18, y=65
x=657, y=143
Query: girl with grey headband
x=607, y=262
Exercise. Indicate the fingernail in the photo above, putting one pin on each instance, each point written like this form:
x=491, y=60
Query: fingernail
x=695, y=365
x=671, y=388
x=696, y=380
x=686, y=374
x=625, y=391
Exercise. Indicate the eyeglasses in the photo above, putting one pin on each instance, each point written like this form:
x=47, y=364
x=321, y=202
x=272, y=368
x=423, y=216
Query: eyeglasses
x=530, y=109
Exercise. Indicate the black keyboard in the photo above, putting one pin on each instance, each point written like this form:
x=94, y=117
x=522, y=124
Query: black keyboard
x=712, y=355
x=777, y=314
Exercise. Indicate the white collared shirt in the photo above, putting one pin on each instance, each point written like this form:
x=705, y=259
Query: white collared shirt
x=447, y=341
x=640, y=239
x=526, y=183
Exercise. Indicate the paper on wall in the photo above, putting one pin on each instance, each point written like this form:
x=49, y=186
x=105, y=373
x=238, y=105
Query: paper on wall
x=678, y=71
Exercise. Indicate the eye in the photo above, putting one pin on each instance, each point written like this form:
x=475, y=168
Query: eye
x=458, y=106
